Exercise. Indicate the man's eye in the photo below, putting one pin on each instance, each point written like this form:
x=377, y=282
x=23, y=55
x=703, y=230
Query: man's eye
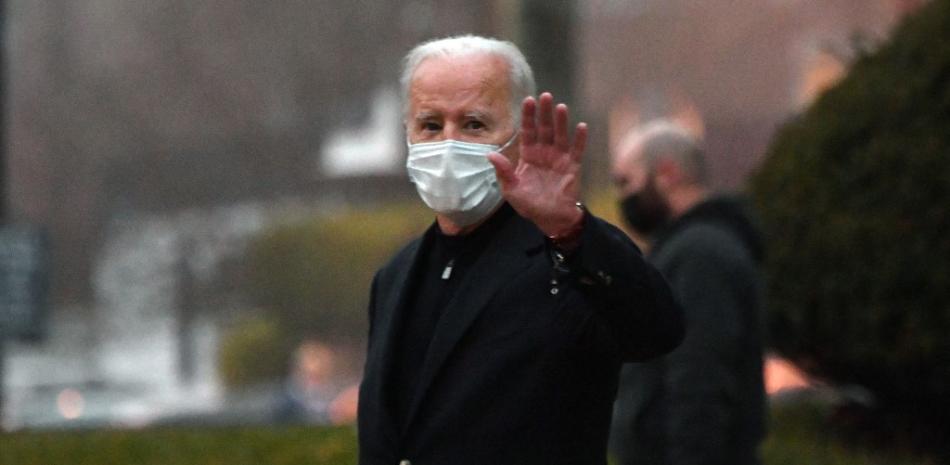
x=475, y=125
x=428, y=126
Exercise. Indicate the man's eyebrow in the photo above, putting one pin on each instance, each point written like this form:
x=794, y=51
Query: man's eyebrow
x=479, y=115
x=425, y=115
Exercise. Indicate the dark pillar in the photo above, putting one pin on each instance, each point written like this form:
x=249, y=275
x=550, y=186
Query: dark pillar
x=547, y=38
x=3, y=179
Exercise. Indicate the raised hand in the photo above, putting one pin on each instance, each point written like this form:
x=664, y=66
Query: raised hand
x=543, y=185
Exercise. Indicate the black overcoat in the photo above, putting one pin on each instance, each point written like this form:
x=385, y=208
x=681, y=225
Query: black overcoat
x=522, y=368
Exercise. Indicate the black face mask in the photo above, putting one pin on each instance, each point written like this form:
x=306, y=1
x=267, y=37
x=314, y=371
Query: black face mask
x=645, y=211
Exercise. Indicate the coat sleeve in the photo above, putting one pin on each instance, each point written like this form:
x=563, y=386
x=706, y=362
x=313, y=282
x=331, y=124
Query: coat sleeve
x=631, y=297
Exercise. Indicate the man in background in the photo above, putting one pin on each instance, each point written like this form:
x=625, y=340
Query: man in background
x=703, y=403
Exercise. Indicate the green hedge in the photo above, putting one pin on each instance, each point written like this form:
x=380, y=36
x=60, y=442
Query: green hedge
x=314, y=276
x=800, y=435
x=855, y=200
x=804, y=434
x=229, y=446
x=311, y=280
x=252, y=351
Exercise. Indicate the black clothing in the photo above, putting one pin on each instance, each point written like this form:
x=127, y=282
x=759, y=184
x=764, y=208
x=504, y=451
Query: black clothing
x=444, y=261
x=522, y=365
x=728, y=212
x=703, y=403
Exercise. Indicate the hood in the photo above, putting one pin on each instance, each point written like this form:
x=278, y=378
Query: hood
x=729, y=211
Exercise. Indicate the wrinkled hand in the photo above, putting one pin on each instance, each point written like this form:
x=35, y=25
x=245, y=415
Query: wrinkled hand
x=545, y=184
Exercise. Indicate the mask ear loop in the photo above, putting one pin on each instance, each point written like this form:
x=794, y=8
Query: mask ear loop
x=503, y=147
x=510, y=141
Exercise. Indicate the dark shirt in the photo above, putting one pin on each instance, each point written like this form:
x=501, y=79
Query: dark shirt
x=443, y=263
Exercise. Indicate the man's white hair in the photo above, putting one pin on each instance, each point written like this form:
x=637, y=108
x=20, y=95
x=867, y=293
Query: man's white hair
x=519, y=72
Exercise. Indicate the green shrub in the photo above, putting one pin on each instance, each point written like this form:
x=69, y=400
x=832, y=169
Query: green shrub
x=855, y=200
x=252, y=351
x=799, y=436
x=802, y=433
x=226, y=446
x=315, y=276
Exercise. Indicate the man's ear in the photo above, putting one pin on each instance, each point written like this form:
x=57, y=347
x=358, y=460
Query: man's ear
x=668, y=174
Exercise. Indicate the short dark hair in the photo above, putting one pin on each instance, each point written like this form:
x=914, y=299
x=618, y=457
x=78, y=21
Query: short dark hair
x=666, y=140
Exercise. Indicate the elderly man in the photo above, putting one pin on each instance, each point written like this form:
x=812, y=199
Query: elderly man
x=704, y=402
x=497, y=337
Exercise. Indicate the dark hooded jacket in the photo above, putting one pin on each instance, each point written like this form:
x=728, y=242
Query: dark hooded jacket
x=704, y=403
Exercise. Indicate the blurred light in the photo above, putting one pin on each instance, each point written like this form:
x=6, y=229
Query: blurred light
x=781, y=375
x=823, y=71
x=70, y=403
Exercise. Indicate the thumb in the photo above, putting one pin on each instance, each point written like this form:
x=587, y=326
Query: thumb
x=504, y=170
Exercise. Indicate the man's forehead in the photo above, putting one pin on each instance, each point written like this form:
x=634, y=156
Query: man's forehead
x=629, y=151
x=464, y=75
x=481, y=64
x=483, y=109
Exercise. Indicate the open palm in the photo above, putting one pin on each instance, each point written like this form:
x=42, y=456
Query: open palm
x=544, y=184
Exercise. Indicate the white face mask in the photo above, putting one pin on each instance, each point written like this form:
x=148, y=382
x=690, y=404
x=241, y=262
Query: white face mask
x=455, y=178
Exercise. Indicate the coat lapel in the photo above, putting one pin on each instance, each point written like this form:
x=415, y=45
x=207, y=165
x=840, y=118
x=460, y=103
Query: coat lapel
x=390, y=312
x=504, y=257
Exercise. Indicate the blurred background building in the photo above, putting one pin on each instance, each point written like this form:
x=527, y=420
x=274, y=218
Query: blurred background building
x=153, y=140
